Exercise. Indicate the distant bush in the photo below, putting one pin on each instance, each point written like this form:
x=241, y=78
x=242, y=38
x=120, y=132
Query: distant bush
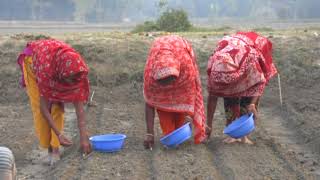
x=171, y=20
x=147, y=26
x=174, y=21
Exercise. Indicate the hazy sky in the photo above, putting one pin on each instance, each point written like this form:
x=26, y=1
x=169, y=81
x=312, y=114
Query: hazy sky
x=140, y=10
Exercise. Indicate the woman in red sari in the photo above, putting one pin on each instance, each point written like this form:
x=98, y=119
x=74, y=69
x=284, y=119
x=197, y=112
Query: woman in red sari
x=238, y=70
x=172, y=88
x=53, y=73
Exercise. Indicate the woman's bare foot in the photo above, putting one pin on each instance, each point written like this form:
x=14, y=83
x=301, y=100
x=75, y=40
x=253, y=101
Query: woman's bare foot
x=230, y=140
x=246, y=140
x=54, y=159
x=53, y=155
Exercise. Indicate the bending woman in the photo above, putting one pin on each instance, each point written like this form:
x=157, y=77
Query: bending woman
x=172, y=88
x=238, y=71
x=54, y=74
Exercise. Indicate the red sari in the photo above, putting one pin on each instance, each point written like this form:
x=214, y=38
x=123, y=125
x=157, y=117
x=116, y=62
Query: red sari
x=54, y=61
x=240, y=66
x=173, y=56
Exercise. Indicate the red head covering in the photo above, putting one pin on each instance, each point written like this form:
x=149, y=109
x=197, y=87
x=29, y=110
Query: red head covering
x=241, y=65
x=173, y=56
x=53, y=63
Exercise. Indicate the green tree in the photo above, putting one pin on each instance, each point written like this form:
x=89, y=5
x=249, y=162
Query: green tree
x=174, y=21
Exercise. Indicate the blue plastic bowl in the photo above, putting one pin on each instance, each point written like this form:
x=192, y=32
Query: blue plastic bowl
x=240, y=127
x=178, y=136
x=108, y=142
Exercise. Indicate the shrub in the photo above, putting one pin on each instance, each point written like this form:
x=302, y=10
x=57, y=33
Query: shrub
x=174, y=21
x=147, y=26
x=171, y=20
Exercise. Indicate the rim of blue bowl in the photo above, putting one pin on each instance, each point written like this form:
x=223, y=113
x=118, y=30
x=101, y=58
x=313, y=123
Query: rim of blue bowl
x=251, y=130
x=250, y=115
x=175, y=131
x=121, y=137
x=179, y=142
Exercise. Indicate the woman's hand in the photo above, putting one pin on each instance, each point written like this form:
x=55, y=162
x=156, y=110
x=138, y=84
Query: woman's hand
x=149, y=141
x=208, y=131
x=251, y=108
x=85, y=145
x=84, y=140
x=64, y=141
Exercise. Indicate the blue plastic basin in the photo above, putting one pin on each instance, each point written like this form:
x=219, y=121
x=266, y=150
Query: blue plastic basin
x=240, y=127
x=108, y=142
x=178, y=136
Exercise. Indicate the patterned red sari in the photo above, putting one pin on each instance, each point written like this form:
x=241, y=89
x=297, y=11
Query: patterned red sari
x=173, y=56
x=53, y=63
x=240, y=66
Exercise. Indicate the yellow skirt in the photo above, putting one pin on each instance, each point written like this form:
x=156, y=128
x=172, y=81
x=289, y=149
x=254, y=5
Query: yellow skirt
x=45, y=134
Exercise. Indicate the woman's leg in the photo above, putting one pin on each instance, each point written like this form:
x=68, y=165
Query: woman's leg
x=244, y=102
x=41, y=126
x=167, y=121
x=232, y=109
x=180, y=119
x=57, y=112
x=232, y=112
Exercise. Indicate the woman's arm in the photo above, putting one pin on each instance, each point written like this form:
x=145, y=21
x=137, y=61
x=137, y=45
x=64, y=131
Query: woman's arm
x=252, y=108
x=211, y=108
x=150, y=113
x=255, y=100
x=44, y=108
x=84, y=141
x=149, y=116
x=44, y=104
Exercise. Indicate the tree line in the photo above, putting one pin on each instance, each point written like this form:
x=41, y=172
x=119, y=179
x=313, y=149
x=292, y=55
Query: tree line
x=140, y=10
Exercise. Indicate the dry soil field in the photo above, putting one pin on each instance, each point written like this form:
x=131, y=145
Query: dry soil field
x=287, y=141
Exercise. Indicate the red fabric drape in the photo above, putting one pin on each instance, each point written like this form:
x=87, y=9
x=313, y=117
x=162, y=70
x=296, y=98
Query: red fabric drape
x=241, y=65
x=173, y=56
